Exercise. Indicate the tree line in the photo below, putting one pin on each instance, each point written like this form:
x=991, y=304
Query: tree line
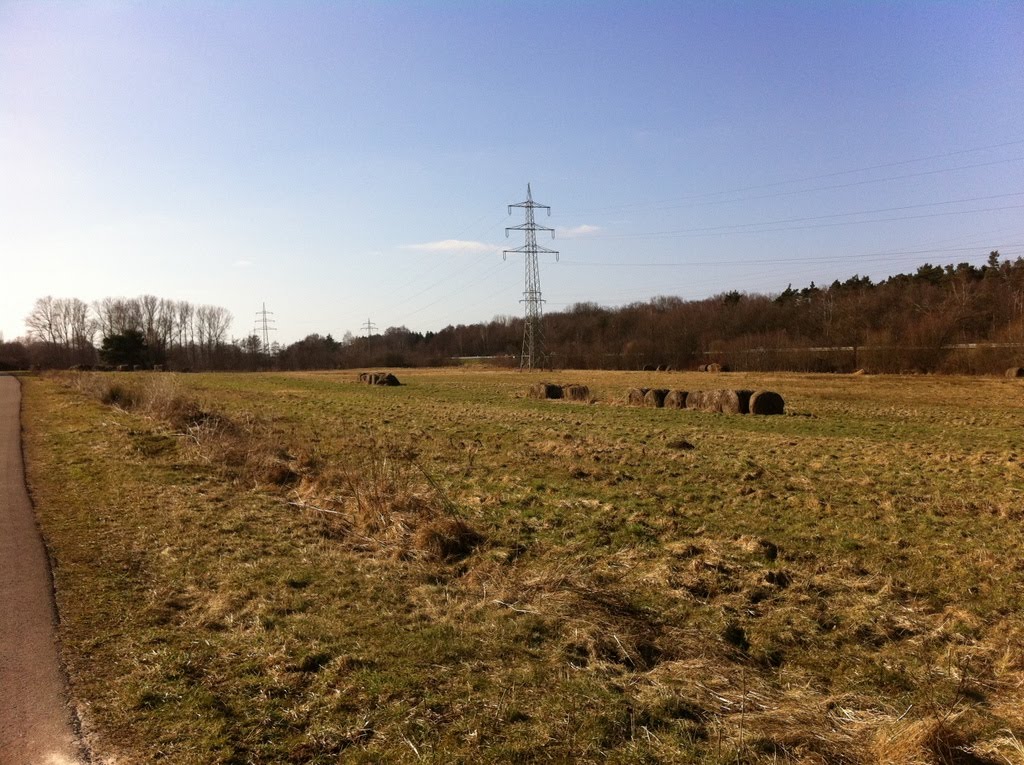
x=954, y=318
x=142, y=331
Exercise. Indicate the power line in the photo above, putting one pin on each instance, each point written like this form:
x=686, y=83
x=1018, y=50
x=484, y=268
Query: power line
x=774, y=261
x=369, y=326
x=724, y=230
x=696, y=198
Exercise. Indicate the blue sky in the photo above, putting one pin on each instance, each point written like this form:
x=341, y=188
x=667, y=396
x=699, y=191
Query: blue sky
x=353, y=160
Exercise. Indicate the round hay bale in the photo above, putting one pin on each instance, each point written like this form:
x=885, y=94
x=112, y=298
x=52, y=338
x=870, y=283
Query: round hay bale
x=386, y=378
x=767, y=402
x=695, y=399
x=702, y=367
x=649, y=367
x=859, y=372
x=712, y=400
x=545, y=391
x=576, y=392
x=636, y=396
x=1015, y=372
x=714, y=368
x=655, y=398
x=364, y=377
x=676, y=399
x=734, y=401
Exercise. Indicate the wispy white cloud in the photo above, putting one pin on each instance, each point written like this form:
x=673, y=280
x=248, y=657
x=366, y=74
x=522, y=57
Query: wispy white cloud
x=576, y=231
x=452, y=245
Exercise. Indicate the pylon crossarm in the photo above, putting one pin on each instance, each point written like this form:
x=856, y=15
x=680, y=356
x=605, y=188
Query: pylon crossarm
x=530, y=227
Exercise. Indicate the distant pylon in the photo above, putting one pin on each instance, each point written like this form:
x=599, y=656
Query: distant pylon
x=264, y=327
x=369, y=327
x=534, y=355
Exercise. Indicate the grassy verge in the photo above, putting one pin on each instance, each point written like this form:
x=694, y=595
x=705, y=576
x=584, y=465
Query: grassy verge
x=296, y=568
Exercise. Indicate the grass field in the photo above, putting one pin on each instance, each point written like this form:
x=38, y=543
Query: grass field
x=294, y=568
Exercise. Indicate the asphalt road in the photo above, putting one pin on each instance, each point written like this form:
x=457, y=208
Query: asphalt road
x=35, y=718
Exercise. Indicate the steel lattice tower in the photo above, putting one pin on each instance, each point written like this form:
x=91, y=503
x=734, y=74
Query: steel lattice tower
x=533, y=333
x=266, y=325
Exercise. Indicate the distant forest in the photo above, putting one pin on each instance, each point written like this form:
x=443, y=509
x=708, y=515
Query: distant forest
x=951, y=319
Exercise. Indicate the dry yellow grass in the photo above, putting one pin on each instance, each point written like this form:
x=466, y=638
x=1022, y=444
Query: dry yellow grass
x=309, y=570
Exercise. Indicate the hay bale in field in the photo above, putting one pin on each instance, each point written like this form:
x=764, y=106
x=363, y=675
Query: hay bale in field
x=723, y=401
x=767, y=402
x=576, y=392
x=702, y=367
x=703, y=400
x=636, y=396
x=676, y=399
x=859, y=372
x=713, y=368
x=695, y=399
x=158, y=367
x=735, y=401
x=378, y=378
x=123, y=367
x=1015, y=372
x=545, y=390
x=655, y=398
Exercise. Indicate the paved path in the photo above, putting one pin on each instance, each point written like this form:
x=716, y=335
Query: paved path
x=35, y=719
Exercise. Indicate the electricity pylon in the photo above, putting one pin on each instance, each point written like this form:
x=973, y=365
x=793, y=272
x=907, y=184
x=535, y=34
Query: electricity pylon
x=533, y=355
x=264, y=327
